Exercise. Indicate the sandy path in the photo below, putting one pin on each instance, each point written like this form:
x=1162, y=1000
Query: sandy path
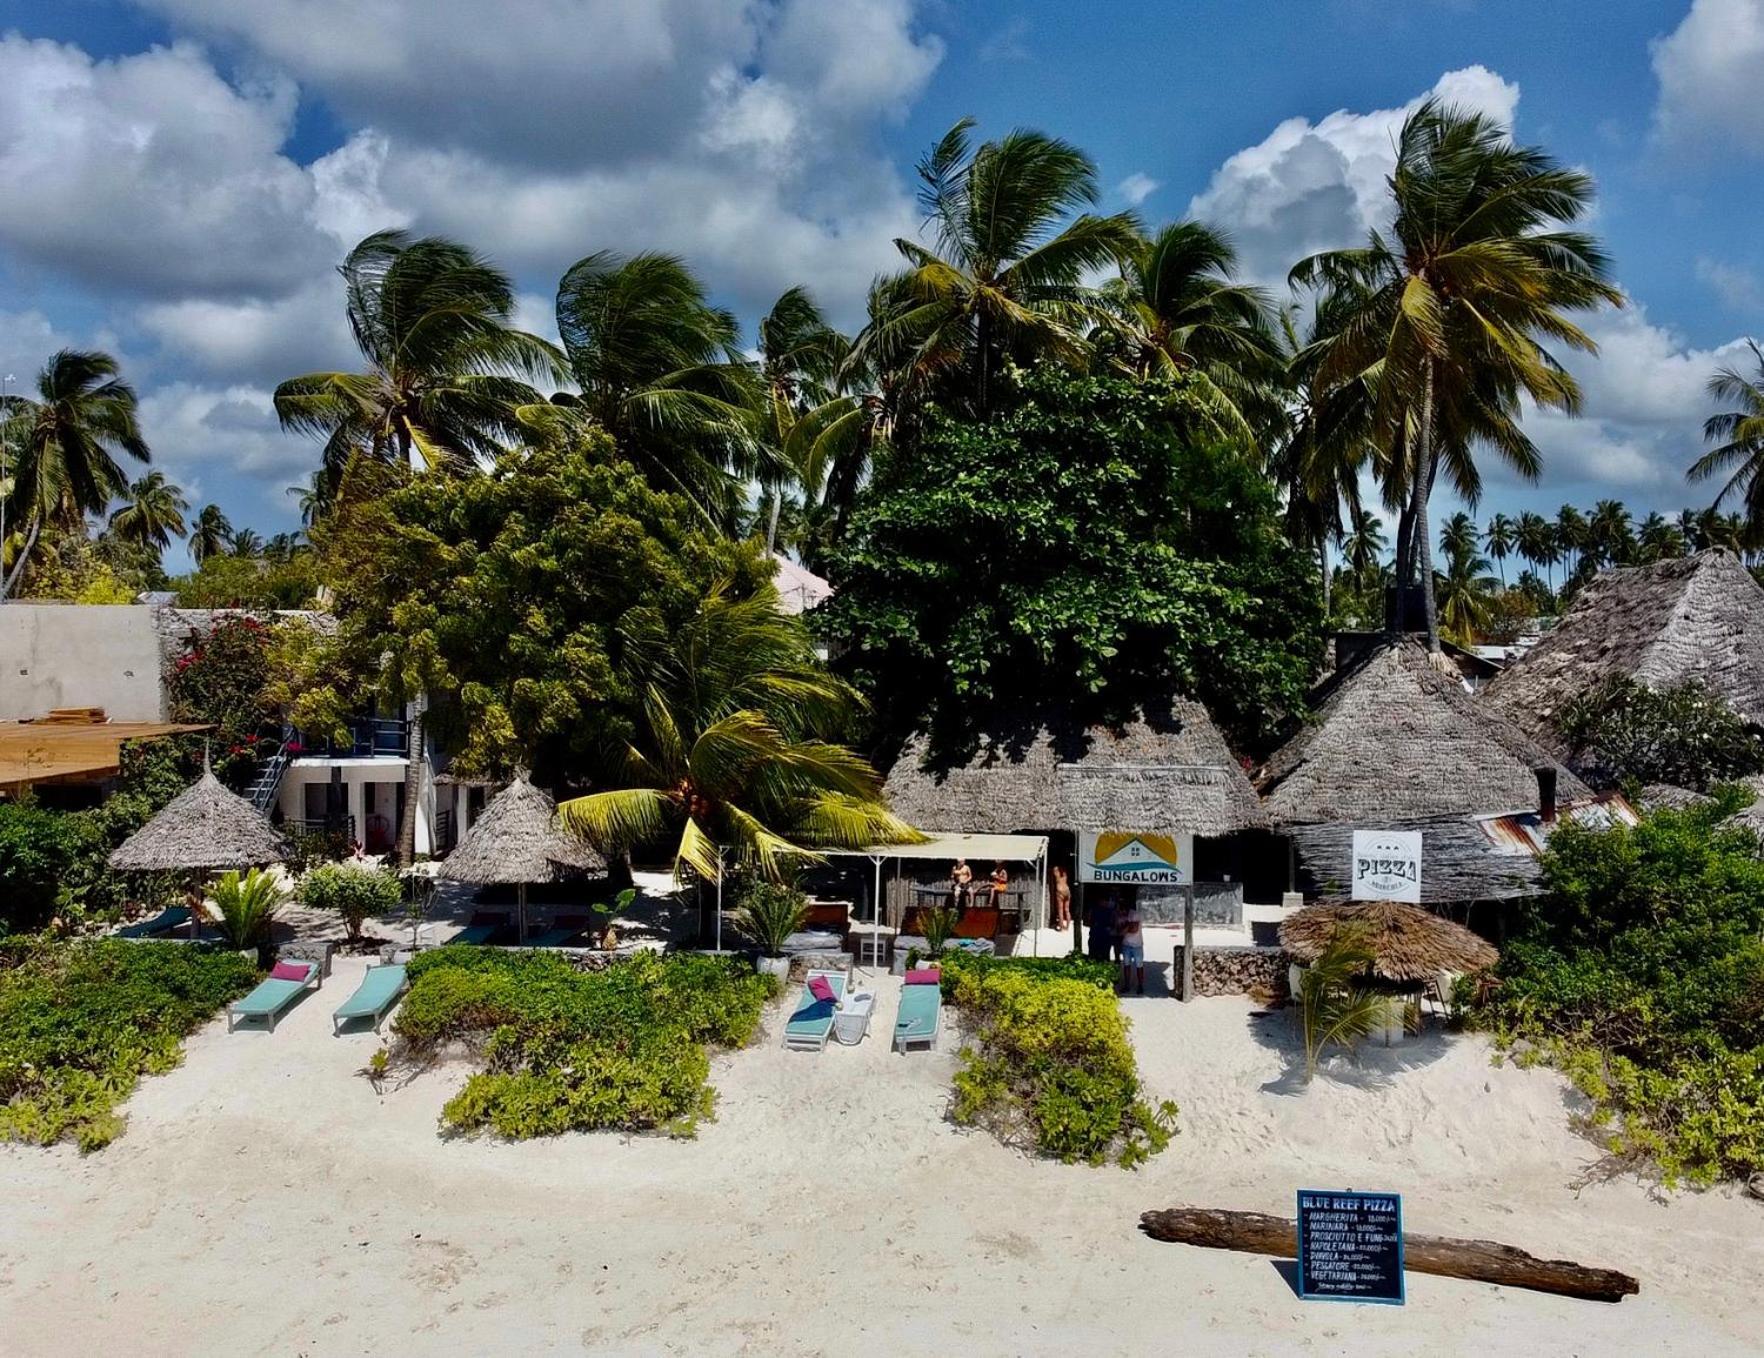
x=265, y=1200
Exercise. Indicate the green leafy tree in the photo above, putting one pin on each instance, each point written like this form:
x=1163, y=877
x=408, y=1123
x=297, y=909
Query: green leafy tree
x=1499, y=541
x=1658, y=539
x=1087, y=547
x=1005, y=277
x=1683, y=734
x=444, y=366
x=1465, y=589
x=65, y=443
x=154, y=514
x=731, y=751
x=1537, y=540
x=245, y=542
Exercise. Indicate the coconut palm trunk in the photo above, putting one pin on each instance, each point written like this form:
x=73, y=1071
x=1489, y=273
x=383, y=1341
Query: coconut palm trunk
x=413, y=785
x=24, y=555
x=1425, y=467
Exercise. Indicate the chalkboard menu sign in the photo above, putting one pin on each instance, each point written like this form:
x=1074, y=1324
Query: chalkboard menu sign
x=1350, y=1246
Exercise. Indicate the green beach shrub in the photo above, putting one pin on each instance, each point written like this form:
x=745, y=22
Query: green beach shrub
x=1051, y=1066
x=769, y=912
x=355, y=892
x=248, y=904
x=565, y=1050
x=81, y=1022
x=1640, y=974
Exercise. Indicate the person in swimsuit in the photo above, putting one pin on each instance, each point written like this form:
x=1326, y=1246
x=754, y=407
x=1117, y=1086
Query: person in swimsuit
x=1062, y=898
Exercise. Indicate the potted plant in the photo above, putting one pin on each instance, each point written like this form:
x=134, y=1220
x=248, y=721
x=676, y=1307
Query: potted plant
x=248, y=906
x=939, y=924
x=768, y=913
x=609, y=912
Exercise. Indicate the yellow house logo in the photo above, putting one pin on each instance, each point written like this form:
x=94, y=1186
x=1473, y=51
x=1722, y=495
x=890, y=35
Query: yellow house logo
x=1119, y=856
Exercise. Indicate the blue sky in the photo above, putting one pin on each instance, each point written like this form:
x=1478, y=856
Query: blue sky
x=181, y=175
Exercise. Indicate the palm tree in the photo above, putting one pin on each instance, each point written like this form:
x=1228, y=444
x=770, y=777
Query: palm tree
x=730, y=749
x=281, y=547
x=1741, y=431
x=1458, y=536
x=1611, y=533
x=245, y=542
x=1499, y=541
x=1465, y=590
x=1572, y=533
x=1452, y=310
x=1006, y=274
x=154, y=514
x=1536, y=540
x=210, y=534
x=65, y=443
x=661, y=369
x=1363, y=547
x=443, y=364
x=1178, y=310
x=314, y=498
x=1658, y=539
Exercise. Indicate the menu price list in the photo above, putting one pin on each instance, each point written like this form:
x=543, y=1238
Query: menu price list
x=1350, y=1246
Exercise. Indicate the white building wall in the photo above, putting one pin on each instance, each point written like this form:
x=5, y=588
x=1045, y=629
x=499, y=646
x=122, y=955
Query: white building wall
x=387, y=774
x=77, y=655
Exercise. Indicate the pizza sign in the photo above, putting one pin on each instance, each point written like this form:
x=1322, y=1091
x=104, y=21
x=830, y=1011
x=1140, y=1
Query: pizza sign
x=1387, y=866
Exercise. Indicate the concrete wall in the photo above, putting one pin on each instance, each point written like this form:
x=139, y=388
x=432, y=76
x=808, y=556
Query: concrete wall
x=70, y=655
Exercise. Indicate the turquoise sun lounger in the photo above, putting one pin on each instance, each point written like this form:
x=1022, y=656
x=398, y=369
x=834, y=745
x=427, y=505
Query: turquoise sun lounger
x=162, y=923
x=813, y=1020
x=920, y=1016
x=373, y=999
x=271, y=997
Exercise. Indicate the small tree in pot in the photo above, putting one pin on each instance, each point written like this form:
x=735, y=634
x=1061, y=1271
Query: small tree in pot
x=768, y=913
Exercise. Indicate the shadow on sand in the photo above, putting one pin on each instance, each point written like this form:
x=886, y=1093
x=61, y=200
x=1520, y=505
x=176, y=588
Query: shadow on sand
x=1370, y=1066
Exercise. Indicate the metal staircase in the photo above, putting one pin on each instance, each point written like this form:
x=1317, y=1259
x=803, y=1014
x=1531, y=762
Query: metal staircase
x=262, y=792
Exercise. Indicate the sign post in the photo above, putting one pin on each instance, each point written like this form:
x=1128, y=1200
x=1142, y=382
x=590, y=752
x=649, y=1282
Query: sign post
x=1350, y=1246
x=1387, y=866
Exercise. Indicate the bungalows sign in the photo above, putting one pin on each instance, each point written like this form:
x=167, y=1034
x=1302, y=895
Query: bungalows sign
x=1387, y=866
x=1143, y=858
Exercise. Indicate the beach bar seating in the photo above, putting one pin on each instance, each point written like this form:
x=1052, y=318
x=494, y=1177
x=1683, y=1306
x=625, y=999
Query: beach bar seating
x=920, y=1016
x=162, y=923
x=275, y=993
x=373, y=999
x=813, y=1020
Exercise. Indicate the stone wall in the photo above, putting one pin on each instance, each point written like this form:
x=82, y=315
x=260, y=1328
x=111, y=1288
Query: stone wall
x=1235, y=971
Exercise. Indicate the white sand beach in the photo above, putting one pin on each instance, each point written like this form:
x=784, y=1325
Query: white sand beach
x=265, y=1200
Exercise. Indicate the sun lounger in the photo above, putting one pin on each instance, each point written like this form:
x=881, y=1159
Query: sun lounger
x=555, y=937
x=164, y=922
x=272, y=996
x=813, y=1019
x=920, y=1016
x=373, y=998
x=476, y=933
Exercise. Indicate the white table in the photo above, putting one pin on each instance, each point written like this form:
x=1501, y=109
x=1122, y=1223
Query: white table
x=851, y=1019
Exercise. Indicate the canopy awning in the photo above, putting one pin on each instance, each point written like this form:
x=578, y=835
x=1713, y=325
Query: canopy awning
x=999, y=848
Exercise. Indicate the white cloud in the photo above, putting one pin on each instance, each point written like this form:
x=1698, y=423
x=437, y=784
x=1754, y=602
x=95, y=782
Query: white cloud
x=27, y=338
x=1736, y=286
x=1136, y=188
x=1708, y=69
x=251, y=340
x=1317, y=186
x=150, y=173
x=198, y=432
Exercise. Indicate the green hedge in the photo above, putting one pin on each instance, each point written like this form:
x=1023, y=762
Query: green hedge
x=566, y=1050
x=1052, y=1067
x=81, y=1022
x=1640, y=973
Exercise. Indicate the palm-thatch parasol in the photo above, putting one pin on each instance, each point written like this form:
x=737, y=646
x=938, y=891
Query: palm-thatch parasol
x=518, y=840
x=1408, y=944
x=205, y=828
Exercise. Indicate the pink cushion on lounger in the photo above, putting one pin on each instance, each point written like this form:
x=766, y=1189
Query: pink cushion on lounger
x=924, y=976
x=820, y=988
x=291, y=971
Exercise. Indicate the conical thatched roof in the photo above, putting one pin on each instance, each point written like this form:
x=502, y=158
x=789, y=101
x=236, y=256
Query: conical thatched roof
x=517, y=839
x=1698, y=618
x=204, y=828
x=1168, y=769
x=1393, y=738
x=1408, y=943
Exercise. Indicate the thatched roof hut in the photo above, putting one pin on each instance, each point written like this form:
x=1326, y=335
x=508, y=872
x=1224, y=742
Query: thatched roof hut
x=204, y=828
x=1461, y=864
x=1394, y=738
x=516, y=841
x=1696, y=618
x=1408, y=944
x=1166, y=769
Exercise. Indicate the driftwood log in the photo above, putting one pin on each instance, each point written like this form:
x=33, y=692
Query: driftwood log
x=1480, y=1261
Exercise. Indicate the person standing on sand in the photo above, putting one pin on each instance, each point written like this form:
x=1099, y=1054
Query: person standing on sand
x=1132, y=935
x=1062, y=898
x=1101, y=922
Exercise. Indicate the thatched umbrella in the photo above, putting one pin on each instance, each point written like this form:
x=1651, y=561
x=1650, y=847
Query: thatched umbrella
x=518, y=840
x=205, y=828
x=1407, y=944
